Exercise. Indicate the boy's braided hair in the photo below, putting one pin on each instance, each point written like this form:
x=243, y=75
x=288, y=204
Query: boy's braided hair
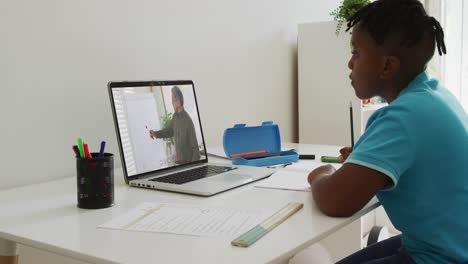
x=406, y=17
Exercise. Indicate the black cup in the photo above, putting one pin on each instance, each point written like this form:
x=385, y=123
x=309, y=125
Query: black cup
x=95, y=181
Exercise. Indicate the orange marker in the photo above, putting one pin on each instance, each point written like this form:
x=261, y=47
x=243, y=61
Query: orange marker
x=248, y=153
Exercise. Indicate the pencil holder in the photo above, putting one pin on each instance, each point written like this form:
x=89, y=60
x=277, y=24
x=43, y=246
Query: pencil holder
x=95, y=181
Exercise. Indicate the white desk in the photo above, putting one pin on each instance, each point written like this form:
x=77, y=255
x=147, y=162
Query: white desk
x=45, y=216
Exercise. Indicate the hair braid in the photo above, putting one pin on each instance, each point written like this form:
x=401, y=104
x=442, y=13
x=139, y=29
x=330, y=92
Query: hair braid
x=406, y=17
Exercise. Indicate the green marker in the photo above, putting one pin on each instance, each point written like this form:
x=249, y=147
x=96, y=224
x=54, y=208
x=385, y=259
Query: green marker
x=329, y=159
x=80, y=147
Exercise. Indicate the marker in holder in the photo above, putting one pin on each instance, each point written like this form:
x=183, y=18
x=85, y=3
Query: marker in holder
x=95, y=181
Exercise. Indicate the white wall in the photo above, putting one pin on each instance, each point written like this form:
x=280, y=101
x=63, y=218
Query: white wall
x=56, y=57
x=325, y=90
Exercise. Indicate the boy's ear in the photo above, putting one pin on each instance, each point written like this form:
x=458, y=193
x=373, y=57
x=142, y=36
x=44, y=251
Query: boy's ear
x=391, y=67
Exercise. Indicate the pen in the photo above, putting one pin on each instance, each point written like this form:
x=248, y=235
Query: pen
x=80, y=147
x=76, y=150
x=307, y=156
x=268, y=154
x=86, y=151
x=329, y=159
x=248, y=153
x=101, y=150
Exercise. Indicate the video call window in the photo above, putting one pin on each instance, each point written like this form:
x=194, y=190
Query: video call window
x=159, y=127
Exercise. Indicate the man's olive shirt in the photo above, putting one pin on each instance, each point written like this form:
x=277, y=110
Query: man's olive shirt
x=185, y=139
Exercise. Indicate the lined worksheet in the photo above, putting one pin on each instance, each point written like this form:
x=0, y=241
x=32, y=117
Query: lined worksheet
x=187, y=219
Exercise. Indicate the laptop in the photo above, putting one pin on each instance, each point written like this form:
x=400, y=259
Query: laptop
x=161, y=140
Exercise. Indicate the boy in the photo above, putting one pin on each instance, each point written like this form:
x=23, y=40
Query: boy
x=414, y=152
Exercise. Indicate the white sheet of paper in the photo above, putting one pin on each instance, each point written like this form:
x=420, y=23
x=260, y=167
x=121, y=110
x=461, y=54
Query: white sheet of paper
x=187, y=220
x=292, y=177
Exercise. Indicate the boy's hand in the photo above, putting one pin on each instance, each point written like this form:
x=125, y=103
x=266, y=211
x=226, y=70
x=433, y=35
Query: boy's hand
x=326, y=170
x=344, y=153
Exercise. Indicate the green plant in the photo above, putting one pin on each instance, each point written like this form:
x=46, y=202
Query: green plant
x=346, y=9
x=166, y=120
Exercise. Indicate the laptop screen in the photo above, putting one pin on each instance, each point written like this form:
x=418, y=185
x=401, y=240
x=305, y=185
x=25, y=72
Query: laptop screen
x=158, y=125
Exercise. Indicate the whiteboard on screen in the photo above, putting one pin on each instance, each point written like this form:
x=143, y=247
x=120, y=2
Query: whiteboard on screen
x=149, y=154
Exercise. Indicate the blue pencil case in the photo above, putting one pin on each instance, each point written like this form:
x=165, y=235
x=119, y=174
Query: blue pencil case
x=256, y=145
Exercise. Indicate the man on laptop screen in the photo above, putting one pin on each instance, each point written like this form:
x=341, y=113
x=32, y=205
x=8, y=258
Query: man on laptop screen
x=159, y=126
x=180, y=129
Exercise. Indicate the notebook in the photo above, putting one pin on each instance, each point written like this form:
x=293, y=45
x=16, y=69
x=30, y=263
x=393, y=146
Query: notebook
x=161, y=140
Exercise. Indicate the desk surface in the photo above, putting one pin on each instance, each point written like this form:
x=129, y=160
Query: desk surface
x=45, y=216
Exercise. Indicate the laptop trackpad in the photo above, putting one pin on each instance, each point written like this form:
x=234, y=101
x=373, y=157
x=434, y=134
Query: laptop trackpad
x=232, y=177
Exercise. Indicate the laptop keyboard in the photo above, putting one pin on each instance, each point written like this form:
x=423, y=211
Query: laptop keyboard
x=193, y=174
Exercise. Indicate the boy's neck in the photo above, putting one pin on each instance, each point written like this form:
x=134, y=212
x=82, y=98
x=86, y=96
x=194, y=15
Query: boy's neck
x=393, y=88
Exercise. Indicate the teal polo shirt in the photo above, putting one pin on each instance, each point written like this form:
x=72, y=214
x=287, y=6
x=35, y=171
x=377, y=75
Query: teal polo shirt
x=420, y=141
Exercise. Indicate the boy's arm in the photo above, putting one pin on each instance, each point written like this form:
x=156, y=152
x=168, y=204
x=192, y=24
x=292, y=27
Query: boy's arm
x=343, y=192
